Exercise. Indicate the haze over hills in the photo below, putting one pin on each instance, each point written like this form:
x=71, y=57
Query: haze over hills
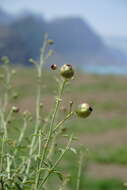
x=75, y=41
x=119, y=42
x=5, y=18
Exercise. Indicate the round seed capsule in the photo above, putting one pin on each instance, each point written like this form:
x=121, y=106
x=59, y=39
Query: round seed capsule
x=53, y=66
x=15, y=109
x=84, y=110
x=67, y=71
x=50, y=42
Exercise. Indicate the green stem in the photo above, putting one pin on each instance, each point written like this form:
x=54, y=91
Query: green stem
x=4, y=121
x=58, y=126
x=53, y=119
x=51, y=128
x=79, y=170
x=5, y=137
x=7, y=86
x=56, y=163
x=8, y=167
x=38, y=99
x=22, y=133
x=61, y=122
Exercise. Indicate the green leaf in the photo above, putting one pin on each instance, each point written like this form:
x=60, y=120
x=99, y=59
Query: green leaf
x=73, y=150
x=59, y=175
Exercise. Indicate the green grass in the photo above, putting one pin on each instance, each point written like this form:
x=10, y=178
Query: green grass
x=87, y=182
x=101, y=83
x=102, y=184
x=95, y=125
x=110, y=155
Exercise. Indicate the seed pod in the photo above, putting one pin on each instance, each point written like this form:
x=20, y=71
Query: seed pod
x=50, y=42
x=41, y=105
x=53, y=66
x=67, y=71
x=15, y=109
x=83, y=110
x=32, y=61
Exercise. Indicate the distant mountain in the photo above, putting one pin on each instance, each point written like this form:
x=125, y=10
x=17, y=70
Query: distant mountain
x=75, y=41
x=78, y=42
x=12, y=45
x=73, y=34
x=5, y=18
x=30, y=29
x=117, y=42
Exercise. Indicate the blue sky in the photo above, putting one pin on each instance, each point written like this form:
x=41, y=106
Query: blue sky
x=107, y=17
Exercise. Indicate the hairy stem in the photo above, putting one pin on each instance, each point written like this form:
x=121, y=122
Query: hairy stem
x=56, y=163
x=51, y=128
x=38, y=99
x=81, y=158
x=56, y=129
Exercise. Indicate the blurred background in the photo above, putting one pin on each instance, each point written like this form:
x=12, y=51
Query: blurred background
x=91, y=35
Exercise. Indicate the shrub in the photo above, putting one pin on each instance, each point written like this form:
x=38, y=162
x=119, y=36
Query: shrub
x=29, y=158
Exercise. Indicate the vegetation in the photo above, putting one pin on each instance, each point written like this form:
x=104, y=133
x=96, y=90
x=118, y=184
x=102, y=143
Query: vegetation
x=30, y=156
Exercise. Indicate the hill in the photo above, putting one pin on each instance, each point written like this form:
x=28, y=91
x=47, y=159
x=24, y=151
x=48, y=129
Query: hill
x=75, y=41
x=117, y=42
x=5, y=18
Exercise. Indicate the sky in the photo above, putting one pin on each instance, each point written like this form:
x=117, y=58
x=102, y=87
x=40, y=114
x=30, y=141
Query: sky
x=107, y=17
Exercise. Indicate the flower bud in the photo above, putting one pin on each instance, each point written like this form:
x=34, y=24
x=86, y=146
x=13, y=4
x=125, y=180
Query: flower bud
x=67, y=71
x=83, y=110
x=41, y=105
x=15, y=109
x=32, y=61
x=50, y=42
x=53, y=66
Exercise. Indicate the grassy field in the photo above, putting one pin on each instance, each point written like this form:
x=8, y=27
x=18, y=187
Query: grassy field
x=104, y=134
